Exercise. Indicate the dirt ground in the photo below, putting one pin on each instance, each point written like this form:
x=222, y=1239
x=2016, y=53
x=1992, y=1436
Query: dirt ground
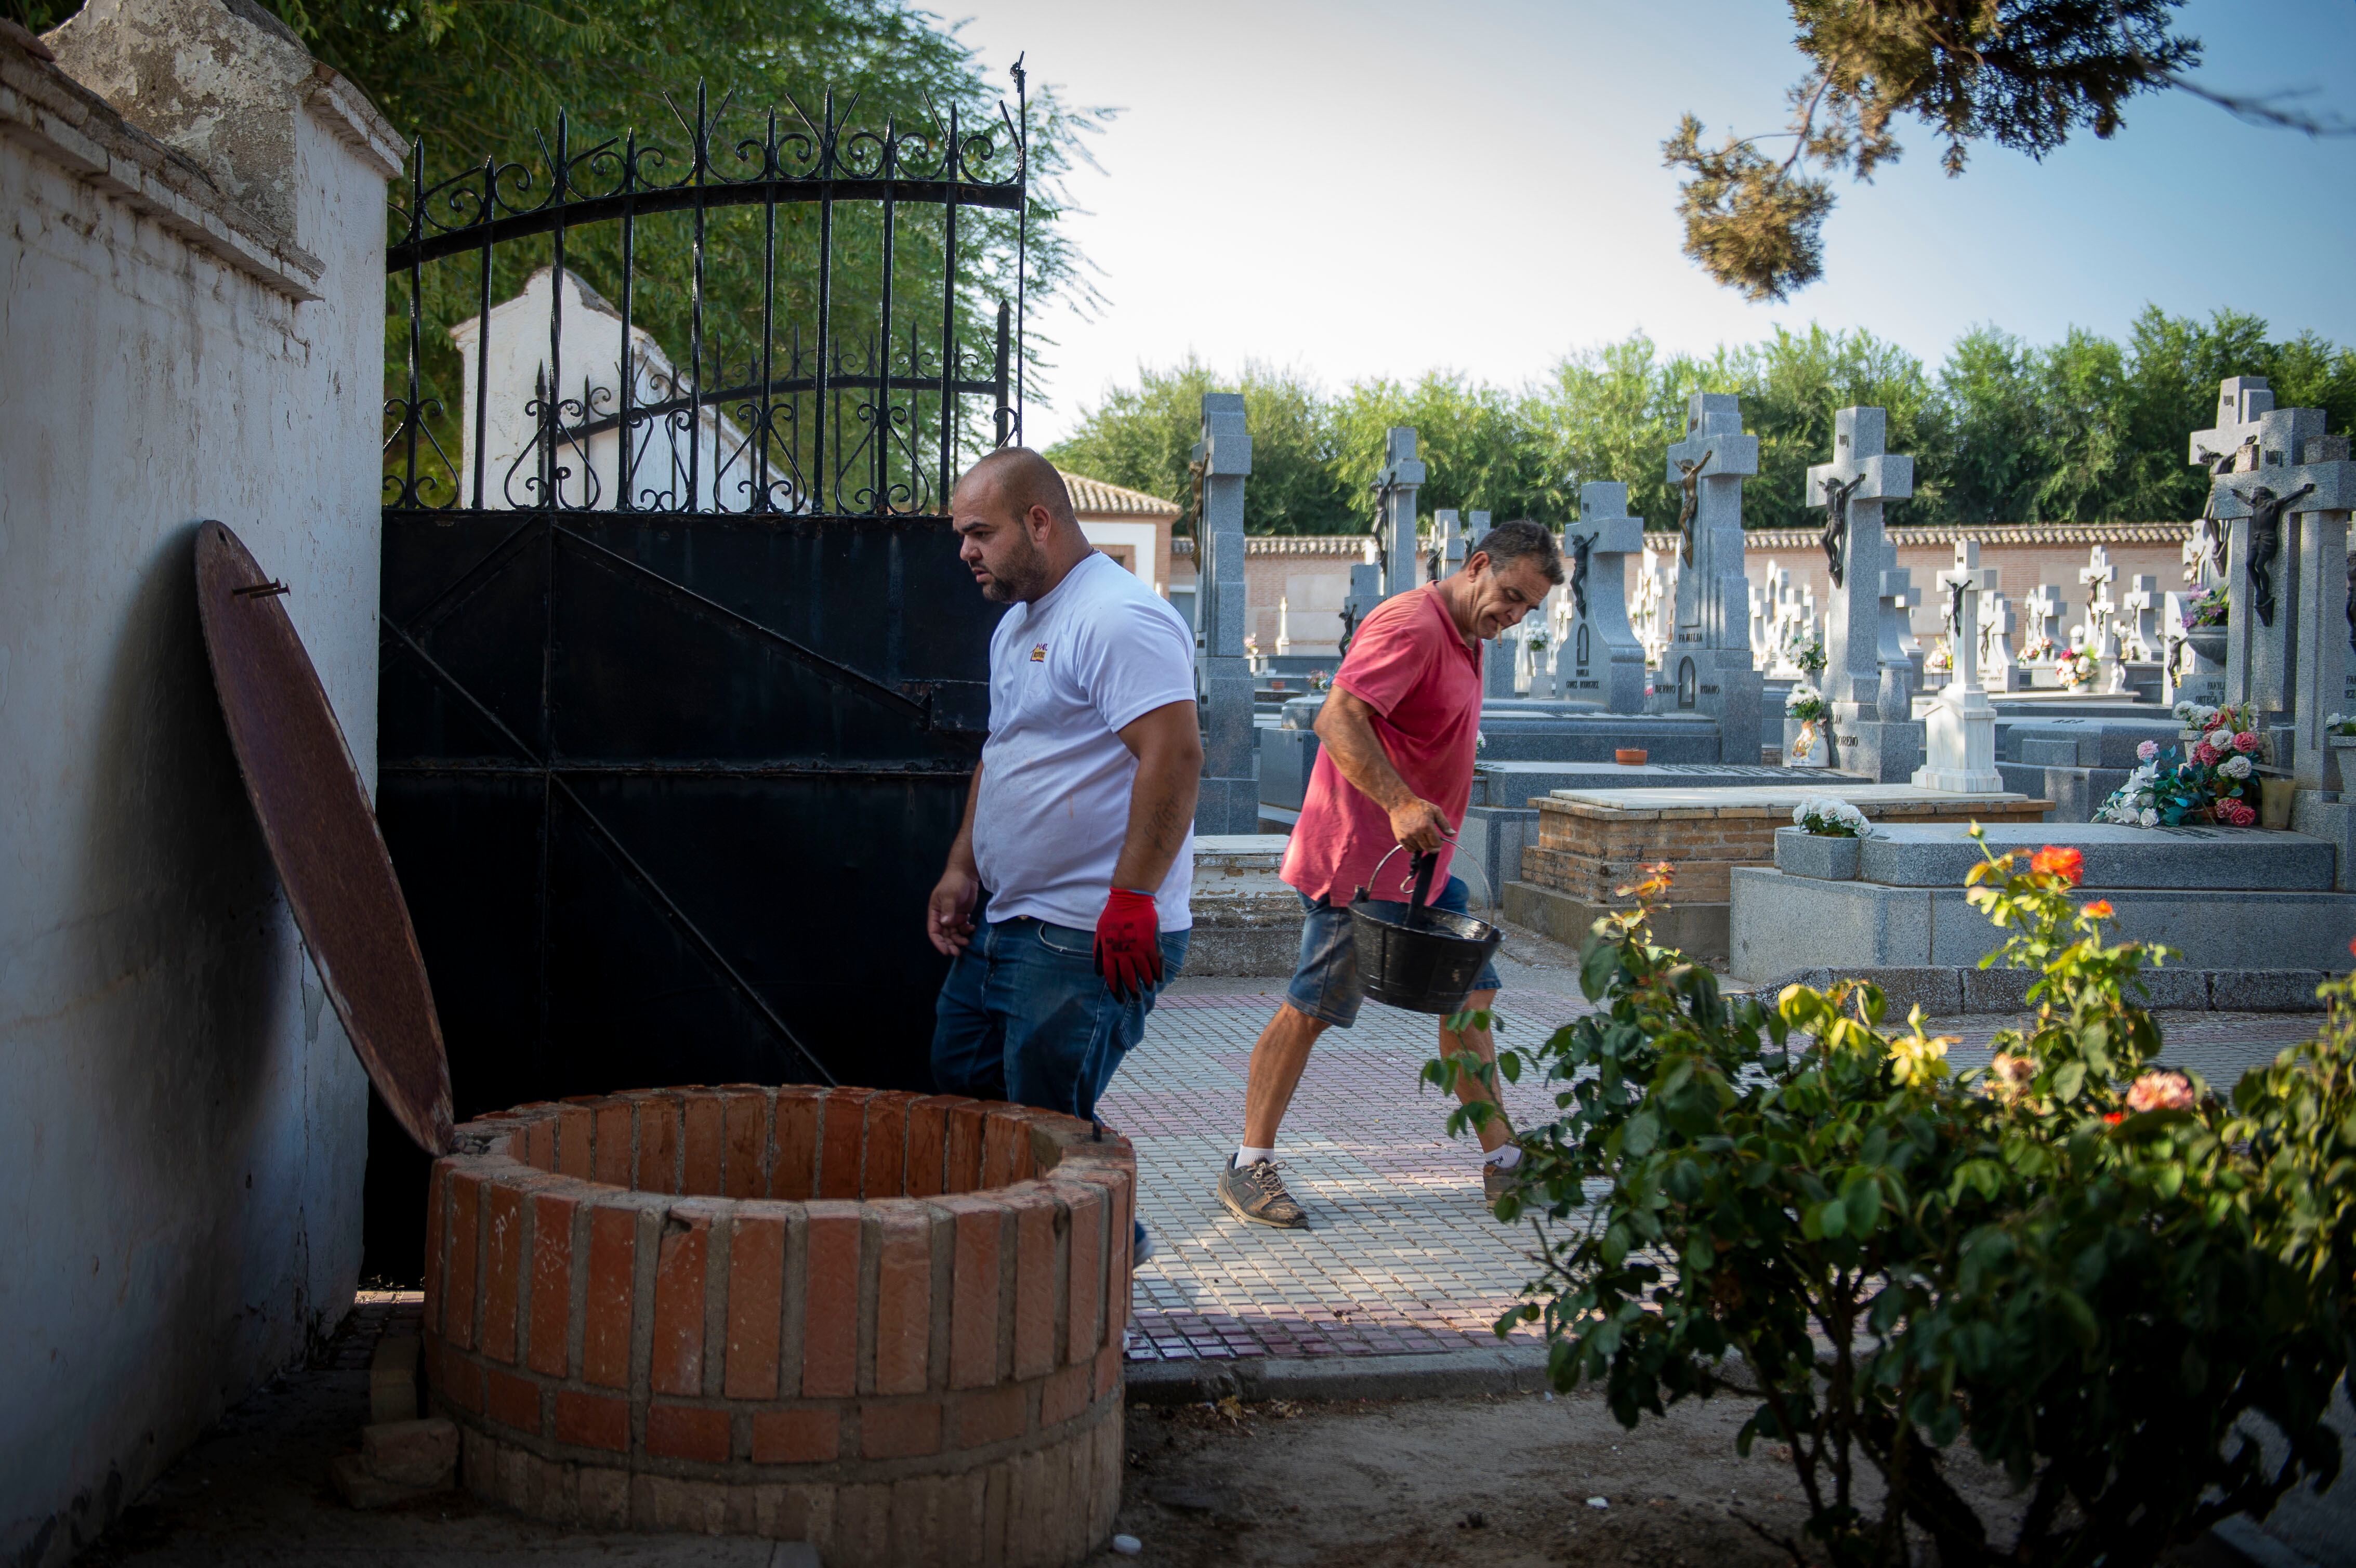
x=1500, y=1481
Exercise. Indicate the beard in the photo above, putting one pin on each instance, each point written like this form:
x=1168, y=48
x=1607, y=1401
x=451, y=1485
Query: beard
x=1020, y=574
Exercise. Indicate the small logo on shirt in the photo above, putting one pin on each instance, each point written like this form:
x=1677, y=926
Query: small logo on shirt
x=1039, y=654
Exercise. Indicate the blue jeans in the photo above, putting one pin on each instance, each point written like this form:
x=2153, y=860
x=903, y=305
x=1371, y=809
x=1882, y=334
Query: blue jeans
x=1325, y=986
x=1024, y=1016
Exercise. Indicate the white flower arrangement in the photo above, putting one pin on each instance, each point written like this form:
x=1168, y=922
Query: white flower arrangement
x=1830, y=818
x=2235, y=767
x=2341, y=723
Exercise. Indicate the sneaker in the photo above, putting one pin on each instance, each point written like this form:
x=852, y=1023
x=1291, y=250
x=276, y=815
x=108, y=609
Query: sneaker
x=1496, y=1181
x=1140, y=1243
x=1256, y=1193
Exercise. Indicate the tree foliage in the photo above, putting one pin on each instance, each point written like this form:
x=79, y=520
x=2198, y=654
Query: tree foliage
x=2024, y=74
x=2085, y=430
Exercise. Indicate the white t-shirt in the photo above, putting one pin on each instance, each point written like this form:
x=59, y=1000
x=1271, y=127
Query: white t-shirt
x=1067, y=671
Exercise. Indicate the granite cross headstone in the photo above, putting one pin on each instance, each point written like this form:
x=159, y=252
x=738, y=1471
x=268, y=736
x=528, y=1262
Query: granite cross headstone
x=1862, y=477
x=2256, y=503
x=1395, y=487
x=2324, y=631
x=1229, y=798
x=1601, y=660
x=1710, y=656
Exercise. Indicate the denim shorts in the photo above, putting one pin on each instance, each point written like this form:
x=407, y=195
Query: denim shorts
x=1326, y=984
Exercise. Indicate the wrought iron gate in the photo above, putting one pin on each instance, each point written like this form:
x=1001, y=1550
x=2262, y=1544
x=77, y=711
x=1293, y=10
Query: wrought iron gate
x=683, y=680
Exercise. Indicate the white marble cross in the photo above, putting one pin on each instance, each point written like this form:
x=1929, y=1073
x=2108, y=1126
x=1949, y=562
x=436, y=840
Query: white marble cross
x=1961, y=587
x=1995, y=640
x=2232, y=446
x=2046, y=607
x=2141, y=640
x=2101, y=624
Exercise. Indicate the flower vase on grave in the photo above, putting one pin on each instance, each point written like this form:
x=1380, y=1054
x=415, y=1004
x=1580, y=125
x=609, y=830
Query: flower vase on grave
x=1804, y=744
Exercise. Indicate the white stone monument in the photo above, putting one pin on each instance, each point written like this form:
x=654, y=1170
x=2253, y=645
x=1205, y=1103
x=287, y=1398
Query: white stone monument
x=1998, y=671
x=1395, y=487
x=1960, y=728
x=2046, y=607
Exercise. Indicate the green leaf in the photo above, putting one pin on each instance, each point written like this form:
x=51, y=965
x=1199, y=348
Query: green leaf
x=1642, y=1131
x=2068, y=1079
x=1862, y=1201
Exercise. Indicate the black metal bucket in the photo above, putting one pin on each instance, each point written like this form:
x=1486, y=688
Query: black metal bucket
x=1415, y=957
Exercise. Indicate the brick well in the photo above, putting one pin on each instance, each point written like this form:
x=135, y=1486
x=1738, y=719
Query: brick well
x=887, y=1323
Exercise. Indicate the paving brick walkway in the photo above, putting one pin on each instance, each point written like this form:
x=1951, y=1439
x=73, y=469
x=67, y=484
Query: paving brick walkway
x=1401, y=1255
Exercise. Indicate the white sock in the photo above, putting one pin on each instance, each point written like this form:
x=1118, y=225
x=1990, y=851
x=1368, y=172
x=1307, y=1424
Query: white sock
x=1244, y=1156
x=1504, y=1159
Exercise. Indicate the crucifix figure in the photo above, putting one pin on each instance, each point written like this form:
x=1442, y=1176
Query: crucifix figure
x=1582, y=546
x=1691, y=484
x=1836, y=537
x=2205, y=553
x=2265, y=537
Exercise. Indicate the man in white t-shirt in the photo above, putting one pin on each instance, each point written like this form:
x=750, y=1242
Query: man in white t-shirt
x=1064, y=902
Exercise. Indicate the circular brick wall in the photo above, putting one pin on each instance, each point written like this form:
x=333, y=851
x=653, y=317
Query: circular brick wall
x=887, y=1323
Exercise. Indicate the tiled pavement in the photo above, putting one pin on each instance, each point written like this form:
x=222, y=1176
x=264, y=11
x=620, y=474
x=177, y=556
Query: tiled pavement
x=1401, y=1254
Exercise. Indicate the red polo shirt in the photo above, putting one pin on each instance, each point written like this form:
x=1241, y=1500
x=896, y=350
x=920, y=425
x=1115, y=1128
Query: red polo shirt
x=1411, y=664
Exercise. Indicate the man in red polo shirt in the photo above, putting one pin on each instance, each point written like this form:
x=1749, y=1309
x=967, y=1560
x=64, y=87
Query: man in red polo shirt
x=1394, y=770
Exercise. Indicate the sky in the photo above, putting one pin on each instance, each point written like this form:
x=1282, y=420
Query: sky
x=1357, y=188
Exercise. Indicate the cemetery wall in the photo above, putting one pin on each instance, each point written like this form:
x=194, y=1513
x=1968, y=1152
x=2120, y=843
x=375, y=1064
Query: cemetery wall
x=1309, y=574
x=183, y=1126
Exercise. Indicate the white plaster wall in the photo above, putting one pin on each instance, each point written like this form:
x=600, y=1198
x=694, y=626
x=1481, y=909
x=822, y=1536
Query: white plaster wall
x=182, y=1124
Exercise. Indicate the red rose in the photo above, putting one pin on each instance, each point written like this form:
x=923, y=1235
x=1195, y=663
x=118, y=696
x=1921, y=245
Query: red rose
x=2246, y=742
x=2060, y=861
x=2205, y=755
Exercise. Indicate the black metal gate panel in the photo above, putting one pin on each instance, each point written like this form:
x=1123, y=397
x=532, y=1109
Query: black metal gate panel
x=683, y=681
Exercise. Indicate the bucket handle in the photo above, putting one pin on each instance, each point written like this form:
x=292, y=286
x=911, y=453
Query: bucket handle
x=1421, y=869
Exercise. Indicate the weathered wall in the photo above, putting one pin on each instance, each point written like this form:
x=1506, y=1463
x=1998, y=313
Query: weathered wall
x=182, y=1124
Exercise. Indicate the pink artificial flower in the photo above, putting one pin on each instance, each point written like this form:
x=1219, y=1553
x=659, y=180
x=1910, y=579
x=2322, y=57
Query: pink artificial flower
x=2245, y=742
x=2147, y=750
x=2205, y=755
x=2236, y=814
x=2162, y=1090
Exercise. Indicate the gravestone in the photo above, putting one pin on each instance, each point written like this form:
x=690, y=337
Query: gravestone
x=1959, y=740
x=2046, y=607
x=2256, y=501
x=1708, y=662
x=2230, y=447
x=1998, y=672
x=1600, y=659
x=1447, y=539
x=2139, y=639
x=1395, y=487
x=1895, y=690
x=1229, y=798
x=1852, y=488
x=2098, y=633
x=2324, y=636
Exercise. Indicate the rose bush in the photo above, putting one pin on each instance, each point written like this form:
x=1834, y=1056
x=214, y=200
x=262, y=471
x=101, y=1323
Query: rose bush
x=2081, y=1263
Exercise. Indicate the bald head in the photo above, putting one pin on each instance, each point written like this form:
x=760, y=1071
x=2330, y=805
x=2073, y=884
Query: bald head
x=1016, y=529
x=1019, y=478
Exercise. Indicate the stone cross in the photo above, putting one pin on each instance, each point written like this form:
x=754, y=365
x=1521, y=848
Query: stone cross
x=1229, y=798
x=1447, y=541
x=2141, y=640
x=1853, y=488
x=1960, y=588
x=2097, y=577
x=1600, y=659
x=1959, y=738
x=2046, y=607
x=2230, y=447
x=1894, y=682
x=1402, y=475
x=1283, y=625
x=2324, y=646
x=1710, y=655
x=2261, y=505
x=1996, y=641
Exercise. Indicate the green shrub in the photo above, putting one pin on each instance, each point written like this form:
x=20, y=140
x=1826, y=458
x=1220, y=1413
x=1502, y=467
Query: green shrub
x=2078, y=1261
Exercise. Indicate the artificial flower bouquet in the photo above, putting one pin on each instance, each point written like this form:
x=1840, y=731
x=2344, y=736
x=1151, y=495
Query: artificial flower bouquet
x=1805, y=704
x=1829, y=818
x=2213, y=779
x=2076, y=668
x=1939, y=659
x=2206, y=609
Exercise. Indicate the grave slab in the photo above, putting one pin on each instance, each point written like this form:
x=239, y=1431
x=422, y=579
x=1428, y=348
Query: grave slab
x=2191, y=861
x=1247, y=921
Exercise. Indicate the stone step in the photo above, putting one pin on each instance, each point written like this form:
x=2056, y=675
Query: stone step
x=2190, y=860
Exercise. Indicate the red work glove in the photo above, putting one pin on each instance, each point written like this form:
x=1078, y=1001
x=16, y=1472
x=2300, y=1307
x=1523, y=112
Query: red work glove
x=1128, y=944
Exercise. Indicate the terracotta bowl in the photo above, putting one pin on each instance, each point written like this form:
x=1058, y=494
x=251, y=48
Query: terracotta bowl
x=1630, y=755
